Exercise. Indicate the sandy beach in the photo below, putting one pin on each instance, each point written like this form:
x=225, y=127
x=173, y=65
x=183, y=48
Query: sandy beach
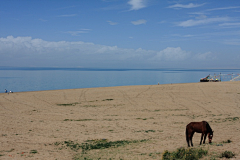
x=40, y=125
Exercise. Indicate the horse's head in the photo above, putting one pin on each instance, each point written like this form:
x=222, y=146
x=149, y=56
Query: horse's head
x=210, y=136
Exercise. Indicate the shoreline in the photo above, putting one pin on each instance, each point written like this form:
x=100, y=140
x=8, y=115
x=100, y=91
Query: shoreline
x=110, y=87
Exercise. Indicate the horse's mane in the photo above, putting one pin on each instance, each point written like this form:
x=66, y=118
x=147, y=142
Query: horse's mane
x=208, y=127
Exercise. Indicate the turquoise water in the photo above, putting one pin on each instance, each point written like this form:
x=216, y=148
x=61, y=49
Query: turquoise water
x=37, y=79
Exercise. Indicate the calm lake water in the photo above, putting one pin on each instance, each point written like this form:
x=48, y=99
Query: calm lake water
x=37, y=79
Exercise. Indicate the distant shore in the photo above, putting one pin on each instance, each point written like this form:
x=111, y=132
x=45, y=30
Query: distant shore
x=8, y=92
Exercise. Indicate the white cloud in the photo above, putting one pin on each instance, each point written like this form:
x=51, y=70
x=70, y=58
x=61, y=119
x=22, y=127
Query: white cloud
x=77, y=33
x=203, y=56
x=106, y=49
x=230, y=24
x=190, y=23
x=25, y=51
x=201, y=16
x=137, y=4
x=224, y=8
x=190, y=5
x=173, y=54
x=112, y=23
x=138, y=22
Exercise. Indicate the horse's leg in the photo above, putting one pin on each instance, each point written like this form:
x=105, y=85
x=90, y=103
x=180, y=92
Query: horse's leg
x=201, y=139
x=204, y=138
x=187, y=137
x=188, y=142
x=191, y=138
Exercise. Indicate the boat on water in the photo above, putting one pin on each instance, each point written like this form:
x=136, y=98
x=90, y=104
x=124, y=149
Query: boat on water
x=209, y=78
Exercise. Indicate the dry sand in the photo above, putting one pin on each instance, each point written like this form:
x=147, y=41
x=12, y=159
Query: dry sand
x=32, y=122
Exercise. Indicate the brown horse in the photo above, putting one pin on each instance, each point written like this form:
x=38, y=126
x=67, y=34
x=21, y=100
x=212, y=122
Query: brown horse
x=199, y=127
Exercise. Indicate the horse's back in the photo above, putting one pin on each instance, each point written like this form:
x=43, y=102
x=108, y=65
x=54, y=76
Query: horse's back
x=204, y=123
x=197, y=126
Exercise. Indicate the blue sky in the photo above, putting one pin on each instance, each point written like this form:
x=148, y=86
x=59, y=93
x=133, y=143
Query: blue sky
x=120, y=33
